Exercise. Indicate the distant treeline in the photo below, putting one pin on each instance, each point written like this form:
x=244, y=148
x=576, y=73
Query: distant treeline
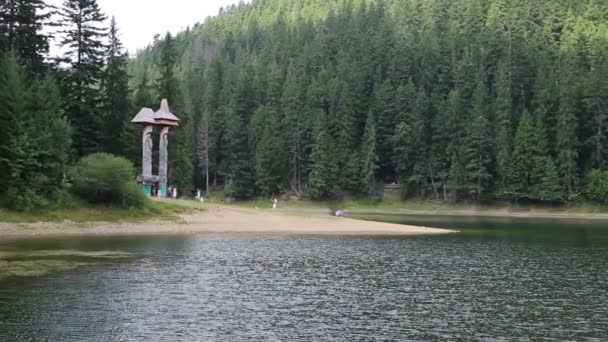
x=454, y=100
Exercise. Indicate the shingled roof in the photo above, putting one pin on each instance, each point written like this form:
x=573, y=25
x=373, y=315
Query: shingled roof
x=162, y=117
x=145, y=115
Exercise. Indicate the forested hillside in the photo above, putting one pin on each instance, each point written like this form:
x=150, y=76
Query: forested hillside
x=455, y=100
x=452, y=99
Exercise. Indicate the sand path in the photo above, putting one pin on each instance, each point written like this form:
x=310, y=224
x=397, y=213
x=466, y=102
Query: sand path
x=218, y=220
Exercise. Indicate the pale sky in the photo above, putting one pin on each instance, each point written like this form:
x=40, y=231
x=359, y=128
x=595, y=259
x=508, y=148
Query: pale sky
x=139, y=20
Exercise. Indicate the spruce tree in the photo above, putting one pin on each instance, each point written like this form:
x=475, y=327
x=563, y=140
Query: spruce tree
x=21, y=30
x=406, y=137
x=567, y=130
x=83, y=39
x=551, y=188
x=296, y=127
x=36, y=137
x=384, y=108
x=597, y=99
x=167, y=84
x=370, y=156
x=478, y=147
x=181, y=148
x=270, y=162
x=54, y=135
x=115, y=102
x=13, y=109
x=521, y=177
x=503, y=123
x=322, y=176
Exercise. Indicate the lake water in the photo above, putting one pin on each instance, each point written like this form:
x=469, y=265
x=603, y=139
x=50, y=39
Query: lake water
x=496, y=280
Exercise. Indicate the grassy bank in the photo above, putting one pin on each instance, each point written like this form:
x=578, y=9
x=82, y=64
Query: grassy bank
x=99, y=213
x=420, y=206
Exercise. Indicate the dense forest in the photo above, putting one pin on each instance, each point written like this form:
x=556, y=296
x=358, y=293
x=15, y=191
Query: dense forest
x=454, y=100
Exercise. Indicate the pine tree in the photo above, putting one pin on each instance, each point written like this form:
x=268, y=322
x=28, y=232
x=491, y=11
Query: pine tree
x=370, y=155
x=522, y=167
x=503, y=123
x=21, y=30
x=597, y=100
x=384, y=109
x=406, y=137
x=296, y=127
x=13, y=108
x=181, y=148
x=551, y=187
x=83, y=40
x=567, y=142
x=270, y=162
x=54, y=135
x=167, y=84
x=322, y=176
x=478, y=150
x=36, y=137
x=115, y=102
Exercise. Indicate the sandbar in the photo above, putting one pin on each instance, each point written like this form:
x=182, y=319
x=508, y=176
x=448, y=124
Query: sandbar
x=218, y=219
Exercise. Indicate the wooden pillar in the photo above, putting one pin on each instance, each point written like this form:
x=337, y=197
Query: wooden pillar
x=163, y=157
x=146, y=161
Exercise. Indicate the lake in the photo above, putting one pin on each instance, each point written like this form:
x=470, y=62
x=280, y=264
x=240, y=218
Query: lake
x=498, y=279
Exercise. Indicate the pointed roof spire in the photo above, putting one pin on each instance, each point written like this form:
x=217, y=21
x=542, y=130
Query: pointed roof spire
x=164, y=113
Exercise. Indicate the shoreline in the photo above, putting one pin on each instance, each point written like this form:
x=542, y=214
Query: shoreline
x=217, y=220
x=463, y=213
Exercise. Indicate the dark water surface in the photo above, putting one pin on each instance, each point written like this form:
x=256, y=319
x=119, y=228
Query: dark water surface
x=496, y=280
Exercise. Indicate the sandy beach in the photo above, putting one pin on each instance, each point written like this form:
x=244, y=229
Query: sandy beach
x=218, y=220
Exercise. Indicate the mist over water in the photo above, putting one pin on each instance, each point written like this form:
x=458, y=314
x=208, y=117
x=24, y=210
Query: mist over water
x=495, y=280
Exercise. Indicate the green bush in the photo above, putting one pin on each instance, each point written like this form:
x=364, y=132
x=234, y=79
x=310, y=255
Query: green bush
x=595, y=186
x=23, y=200
x=103, y=178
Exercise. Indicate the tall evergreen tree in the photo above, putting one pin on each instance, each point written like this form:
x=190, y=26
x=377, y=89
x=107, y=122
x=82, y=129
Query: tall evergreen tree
x=503, y=122
x=167, y=84
x=84, y=33
x=322, y=176
x=567, y=122
x=522, y=168
x=370, y=155
x=478, y=151
x=181, y=148
x=21, y=30
x=35, y=136
x=115, y=102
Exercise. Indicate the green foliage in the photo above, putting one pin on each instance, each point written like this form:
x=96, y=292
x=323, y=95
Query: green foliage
x=595, y=186
x=102, y=178
x=83, y=41
x=370, y=156
x=21, y=30
x=35, y=137
x=115, y=102
x=322, y=178
x=478, y=147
